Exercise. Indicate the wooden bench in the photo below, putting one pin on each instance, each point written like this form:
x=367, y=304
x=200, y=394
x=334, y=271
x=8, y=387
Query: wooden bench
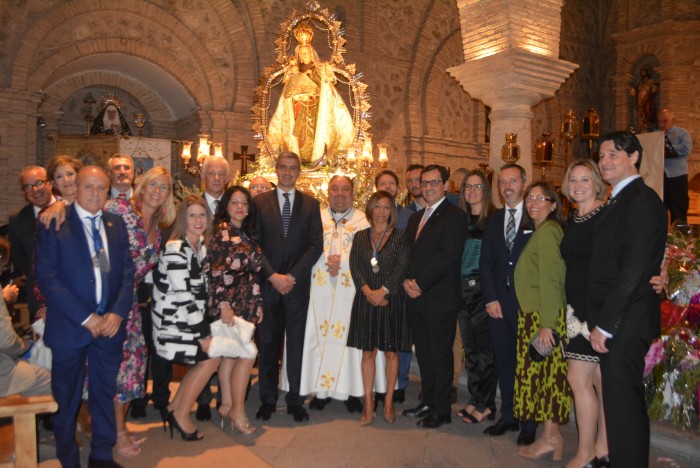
x=18, y=440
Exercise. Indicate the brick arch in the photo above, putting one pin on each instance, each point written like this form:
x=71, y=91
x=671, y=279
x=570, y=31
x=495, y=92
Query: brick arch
x=210, y=92
x=196, y=84
x=421, y=62
x=628, y=57
x=425, y=79
x=633, y=55
x=62, y=90
x=245, y=30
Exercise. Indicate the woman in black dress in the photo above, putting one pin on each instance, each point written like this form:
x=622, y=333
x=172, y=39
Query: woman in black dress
x=378, y=263
x=583, y=186
x=235, y=259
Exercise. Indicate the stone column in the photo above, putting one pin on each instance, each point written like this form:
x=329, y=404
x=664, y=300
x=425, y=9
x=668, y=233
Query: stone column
x=511, y=51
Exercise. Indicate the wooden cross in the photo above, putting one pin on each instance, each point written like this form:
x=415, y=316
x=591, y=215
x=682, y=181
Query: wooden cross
x=244, y=157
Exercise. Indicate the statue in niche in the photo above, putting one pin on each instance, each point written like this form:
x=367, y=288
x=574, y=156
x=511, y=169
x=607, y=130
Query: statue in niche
x=110, y=120
x=644, y=94
x=311, y=118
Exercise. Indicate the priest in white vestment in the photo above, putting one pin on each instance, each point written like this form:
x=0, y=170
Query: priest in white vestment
x=329, y=368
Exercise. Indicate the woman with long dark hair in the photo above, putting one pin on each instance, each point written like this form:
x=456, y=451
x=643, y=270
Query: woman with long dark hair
x=235, y=259
x=475, y=201
x=181, y=331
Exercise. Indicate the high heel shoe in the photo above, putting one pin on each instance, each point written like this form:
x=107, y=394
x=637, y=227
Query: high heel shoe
x=389, y=416
x=163, y=410
x=367, y=420
x=186, y=436
x=240, y=423
x=370, y=404
x=223, y=414
x=602, y=462
x=542, y=447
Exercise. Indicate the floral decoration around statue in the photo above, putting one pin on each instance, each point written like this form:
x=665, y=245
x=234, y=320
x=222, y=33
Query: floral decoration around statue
x=672, y=365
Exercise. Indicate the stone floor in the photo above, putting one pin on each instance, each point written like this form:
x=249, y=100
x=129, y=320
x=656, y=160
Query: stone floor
x=334, y=438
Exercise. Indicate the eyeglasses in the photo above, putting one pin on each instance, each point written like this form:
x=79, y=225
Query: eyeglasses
x=474, y=186
x=539, y=198
x=432, y=183
x=262, y=188
x=37, y=185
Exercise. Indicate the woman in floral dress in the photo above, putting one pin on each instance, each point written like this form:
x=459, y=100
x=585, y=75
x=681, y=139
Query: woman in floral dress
x=150, y=209
x=235, y=259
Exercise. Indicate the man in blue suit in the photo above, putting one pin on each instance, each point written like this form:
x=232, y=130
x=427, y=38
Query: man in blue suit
x=86, y=274
x=503, y=241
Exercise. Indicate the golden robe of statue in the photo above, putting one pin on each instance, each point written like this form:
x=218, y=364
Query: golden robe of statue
x=311, y=118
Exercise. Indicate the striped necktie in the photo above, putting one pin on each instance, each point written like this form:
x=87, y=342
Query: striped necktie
x=510, y=229
x=102, y=261
x=286, y=214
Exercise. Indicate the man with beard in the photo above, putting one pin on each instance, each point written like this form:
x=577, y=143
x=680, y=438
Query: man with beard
x=121, y=172
x=503, y=241
x=413, y=186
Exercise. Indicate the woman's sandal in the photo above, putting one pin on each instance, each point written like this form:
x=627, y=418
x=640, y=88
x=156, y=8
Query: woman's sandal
x=465, y=412
x=129, y=450
x=471, y=419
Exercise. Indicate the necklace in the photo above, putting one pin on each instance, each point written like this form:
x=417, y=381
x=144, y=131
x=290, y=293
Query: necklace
x=589, y=215
x=375, y=257
x=342, y=219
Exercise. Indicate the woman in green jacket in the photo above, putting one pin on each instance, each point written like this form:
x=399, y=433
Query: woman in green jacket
x=541, y=391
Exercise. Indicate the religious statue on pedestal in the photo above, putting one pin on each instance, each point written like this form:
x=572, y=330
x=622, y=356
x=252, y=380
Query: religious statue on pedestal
x=311, y=118
x=645, y=101
x=315, y=116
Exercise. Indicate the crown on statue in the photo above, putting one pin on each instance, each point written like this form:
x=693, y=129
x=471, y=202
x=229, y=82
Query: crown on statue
x=304, y=34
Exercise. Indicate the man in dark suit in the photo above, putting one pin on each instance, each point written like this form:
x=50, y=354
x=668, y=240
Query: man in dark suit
x=436, y=236
x=22, y=233
x=627, y=249
x=86, y=274
x=503, y=241
x=291, y=236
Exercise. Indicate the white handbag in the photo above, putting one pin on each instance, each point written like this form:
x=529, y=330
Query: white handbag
x=233, y=341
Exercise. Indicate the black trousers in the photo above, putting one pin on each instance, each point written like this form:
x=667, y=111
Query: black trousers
x=161, y=369
x=478, y=347
x=622, y=370
x=504, y=334
x=676, y=197
x=285, y=316
x=433, y=332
